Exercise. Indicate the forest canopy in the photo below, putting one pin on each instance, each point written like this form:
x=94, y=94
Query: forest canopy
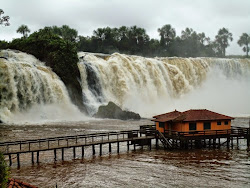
x=134, y=40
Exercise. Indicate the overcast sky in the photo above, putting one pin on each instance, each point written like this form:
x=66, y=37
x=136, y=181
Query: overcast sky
x=87, y=15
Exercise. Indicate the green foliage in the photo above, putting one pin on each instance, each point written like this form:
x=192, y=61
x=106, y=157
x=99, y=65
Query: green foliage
x=244, y=41
x=24, y=30
x=134, y=40
x=4, y=20
x=59, y=54
x=3, y=44
x=65, y=32
x=4, y=172
x=222, y=40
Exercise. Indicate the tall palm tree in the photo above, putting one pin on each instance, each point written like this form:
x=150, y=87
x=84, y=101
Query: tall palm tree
x=244, y=41
x=222, y=38
x=24, y=30
x=167, y=34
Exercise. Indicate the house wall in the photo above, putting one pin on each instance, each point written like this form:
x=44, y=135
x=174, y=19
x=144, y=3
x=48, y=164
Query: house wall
x=184, y=126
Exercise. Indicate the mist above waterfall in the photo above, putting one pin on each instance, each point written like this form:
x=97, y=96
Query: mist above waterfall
x=151, y=86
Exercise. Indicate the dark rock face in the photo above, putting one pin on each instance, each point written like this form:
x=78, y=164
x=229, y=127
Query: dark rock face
x=113, y=111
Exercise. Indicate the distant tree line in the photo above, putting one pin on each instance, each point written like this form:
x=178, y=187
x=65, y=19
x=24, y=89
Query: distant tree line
x=134, y=40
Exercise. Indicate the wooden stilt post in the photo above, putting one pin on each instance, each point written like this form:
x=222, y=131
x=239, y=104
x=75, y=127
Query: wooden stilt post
x=228, y=142
x=118, y=147
x=10, y=160
x=237, y=142
x=18, y=160
x=110, y=149
x=55, y=155
x=62, y=154
x=74, y=152
x=82, y=152
x=134, y=146
x=214, y=143
x=150, y=144
x=100, y=153
x=156, y=143
x=128, y=145
x=32, y=157
x=209, y=143
x=37, y=157
x=93, y=149
x=218, y=142
x=232, y=142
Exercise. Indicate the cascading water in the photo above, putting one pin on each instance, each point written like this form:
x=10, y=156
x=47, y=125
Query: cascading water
x=151, y=86
x=31, y=92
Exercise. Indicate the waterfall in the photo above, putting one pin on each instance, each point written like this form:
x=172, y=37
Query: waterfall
x=151, y=86
x=31, y=92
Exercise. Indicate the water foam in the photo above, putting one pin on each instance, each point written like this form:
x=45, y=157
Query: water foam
x=151, y=86
x=32, y=92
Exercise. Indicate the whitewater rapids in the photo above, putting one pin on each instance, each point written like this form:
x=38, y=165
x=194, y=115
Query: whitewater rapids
x=30, y=92
x=150, y=86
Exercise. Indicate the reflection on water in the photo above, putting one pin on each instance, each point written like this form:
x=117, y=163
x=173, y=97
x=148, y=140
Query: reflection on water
x=140, y=168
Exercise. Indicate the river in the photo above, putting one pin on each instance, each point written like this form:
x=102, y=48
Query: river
x=140, y=168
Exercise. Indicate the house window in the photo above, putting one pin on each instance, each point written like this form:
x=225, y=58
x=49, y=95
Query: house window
x=161, y=124
x=218, y=122
x=207, y=125
x=226, y=122
x=192, y=126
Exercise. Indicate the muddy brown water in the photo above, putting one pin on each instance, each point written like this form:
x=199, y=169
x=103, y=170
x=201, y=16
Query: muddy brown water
x=140, y=168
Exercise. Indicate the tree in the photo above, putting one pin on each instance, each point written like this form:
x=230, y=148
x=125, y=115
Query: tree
x=222, y=39
x=244, y=41
x=4, y=172
x=167, y=34
x=24, y=30
x=4, y=20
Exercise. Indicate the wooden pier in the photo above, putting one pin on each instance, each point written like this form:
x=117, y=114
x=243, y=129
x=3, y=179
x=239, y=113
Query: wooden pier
x=144, y=136
x=35, y=147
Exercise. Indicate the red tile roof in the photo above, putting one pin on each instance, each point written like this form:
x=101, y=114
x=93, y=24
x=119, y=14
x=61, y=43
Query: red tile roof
x=191, y=115
x=14, y=183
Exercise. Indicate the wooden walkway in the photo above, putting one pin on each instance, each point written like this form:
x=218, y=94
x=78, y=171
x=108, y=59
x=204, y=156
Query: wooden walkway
x=133, y=137
x=144, y=136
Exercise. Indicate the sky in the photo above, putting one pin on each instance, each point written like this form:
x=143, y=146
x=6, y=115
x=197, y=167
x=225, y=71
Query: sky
x=206, y=16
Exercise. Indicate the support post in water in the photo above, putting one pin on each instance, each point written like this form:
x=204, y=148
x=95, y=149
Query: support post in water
x=62, y=154
x=32, y=157
x=128, y=145
x=118, y=147
x=100, y=153
x=55, y=155
x=156, y=143
x=18, y=160
x=74, y=152
x=93, y=149
x=150, y=144
x=37, y=157
x=110, y=149
x=82, y=152
x=10, y=160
